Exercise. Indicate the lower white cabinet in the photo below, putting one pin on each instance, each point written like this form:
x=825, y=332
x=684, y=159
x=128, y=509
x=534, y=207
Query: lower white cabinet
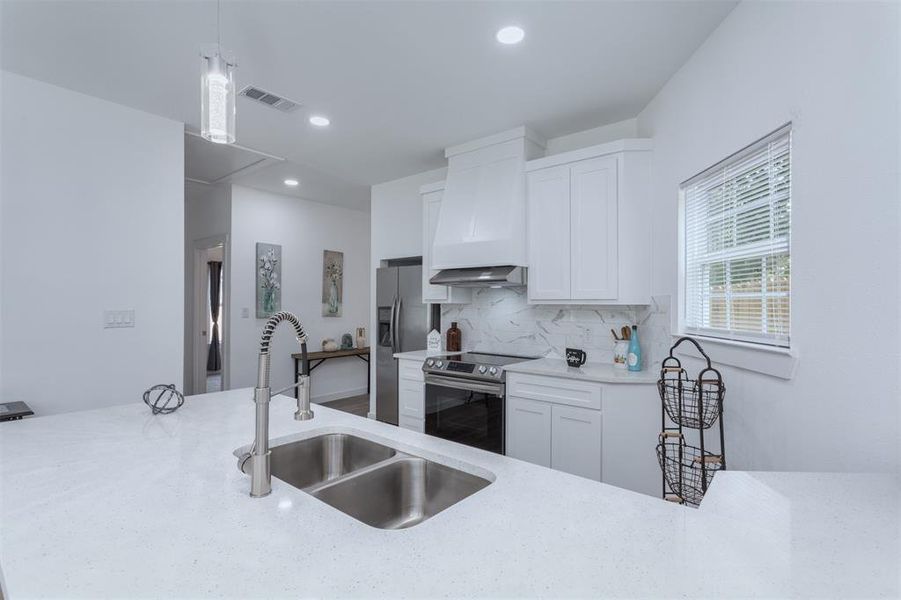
x=576, y=441
x=529, y=430
x=410, y=395
x=605, y=432
x=565, y=438
x=411, y=423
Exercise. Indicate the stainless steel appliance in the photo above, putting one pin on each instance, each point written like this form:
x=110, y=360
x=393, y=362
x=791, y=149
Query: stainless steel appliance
x=464, y=398
x=402, y=327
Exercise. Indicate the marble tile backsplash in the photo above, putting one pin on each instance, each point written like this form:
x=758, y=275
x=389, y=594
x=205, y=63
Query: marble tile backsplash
x=502, y=321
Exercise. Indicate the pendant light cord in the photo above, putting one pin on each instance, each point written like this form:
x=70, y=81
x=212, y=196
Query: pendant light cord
x=218, y=26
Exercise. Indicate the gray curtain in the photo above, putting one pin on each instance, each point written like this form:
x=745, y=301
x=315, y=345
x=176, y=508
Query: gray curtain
x=214, y=355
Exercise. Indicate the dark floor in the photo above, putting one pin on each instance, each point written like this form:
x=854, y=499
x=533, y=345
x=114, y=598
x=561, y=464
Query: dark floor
x=355, y=405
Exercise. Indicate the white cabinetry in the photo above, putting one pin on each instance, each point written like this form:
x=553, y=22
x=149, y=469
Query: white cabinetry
x=431, y=208
x=605, y=432
x=555, y=423
x=529, y=431
x=588, y=222
x=576, y=441
x=410, y=395
x=549, y=217
x=593, y=229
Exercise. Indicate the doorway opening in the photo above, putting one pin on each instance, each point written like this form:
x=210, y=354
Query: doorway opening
x=209, y=331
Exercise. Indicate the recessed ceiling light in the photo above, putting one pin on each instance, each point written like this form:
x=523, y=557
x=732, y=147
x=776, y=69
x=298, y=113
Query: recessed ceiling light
x=319, y=121
x=292, y=182
x=510, y=35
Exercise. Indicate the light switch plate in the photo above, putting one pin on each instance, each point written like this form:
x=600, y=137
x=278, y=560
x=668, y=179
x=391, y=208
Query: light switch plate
x=117, y=319
x=245, y=313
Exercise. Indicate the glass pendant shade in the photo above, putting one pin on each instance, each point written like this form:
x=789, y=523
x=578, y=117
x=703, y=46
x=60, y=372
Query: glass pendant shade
x=217, y=92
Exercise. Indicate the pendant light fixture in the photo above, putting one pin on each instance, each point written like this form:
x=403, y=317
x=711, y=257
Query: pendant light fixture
x=217, y=93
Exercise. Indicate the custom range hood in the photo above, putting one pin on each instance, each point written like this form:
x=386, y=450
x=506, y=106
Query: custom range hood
x=507, y=276
x=482, y=220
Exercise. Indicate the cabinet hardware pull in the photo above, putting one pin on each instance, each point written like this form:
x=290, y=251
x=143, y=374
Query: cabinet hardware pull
x=526, y=410
x=575, y=419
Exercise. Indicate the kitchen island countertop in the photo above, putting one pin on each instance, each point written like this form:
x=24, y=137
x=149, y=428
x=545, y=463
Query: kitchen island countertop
x=116, y=502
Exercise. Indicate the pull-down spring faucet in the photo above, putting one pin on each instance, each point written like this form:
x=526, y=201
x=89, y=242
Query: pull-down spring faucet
x=257, y=462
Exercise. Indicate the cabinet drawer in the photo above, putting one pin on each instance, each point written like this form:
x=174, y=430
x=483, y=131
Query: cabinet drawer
x=411, y=423
x=411, y=399
x=555, y=390
x=409, y=369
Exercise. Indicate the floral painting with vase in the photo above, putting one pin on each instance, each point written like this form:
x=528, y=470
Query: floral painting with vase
x=332, y=282
x=269, y=275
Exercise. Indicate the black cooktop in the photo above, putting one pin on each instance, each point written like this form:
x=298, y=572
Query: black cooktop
x=483, y=358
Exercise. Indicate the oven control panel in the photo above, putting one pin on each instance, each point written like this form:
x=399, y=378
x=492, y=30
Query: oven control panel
x=442, y=365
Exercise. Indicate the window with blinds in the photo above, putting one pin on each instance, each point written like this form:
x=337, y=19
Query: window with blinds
x=736, y=245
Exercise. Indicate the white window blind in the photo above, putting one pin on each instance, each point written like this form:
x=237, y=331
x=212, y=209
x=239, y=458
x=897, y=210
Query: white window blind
x=736, y=241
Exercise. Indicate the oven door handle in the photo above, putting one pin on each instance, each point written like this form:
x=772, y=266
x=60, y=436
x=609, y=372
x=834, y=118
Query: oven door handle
x=458, y=383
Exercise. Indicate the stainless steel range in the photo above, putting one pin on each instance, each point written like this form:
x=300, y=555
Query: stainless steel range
x=464, y=398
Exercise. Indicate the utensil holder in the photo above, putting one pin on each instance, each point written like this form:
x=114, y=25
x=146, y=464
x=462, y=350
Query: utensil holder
x=620, y=353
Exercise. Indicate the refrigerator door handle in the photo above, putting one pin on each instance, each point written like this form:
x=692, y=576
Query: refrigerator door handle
x=400, y=304
x=392, y=325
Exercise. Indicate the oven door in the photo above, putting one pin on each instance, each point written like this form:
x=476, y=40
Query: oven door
x=465, y=411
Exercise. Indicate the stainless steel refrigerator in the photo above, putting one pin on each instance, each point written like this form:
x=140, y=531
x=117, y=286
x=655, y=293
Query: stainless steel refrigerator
x=402, y=322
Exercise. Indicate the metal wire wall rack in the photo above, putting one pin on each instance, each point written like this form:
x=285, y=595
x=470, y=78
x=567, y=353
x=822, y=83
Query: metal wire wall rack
x=694, y=404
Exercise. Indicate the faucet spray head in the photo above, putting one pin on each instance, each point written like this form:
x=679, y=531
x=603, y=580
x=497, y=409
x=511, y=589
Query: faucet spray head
x=304, y=412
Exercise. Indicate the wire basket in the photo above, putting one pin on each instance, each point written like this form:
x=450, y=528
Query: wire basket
x=691, y=403
x=686, y=474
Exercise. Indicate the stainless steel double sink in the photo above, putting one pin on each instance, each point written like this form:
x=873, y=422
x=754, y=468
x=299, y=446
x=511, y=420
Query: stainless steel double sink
x=376, y=484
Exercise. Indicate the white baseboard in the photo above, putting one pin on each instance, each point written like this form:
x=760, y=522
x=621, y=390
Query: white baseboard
x=326, y=398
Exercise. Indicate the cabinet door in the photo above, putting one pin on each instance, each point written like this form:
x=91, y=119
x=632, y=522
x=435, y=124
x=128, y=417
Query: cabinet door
x=529, y=431
x=431, y=206
x=548, y=216
x=594, y=228
x=411, y=423
x=576, y=441
x=411, y=399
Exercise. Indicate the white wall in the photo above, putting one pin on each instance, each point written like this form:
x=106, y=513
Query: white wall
x=832, y=69
x=304, y=229
x=396, y=213
x=207, y=215
x=92, y=197
x=590, y=137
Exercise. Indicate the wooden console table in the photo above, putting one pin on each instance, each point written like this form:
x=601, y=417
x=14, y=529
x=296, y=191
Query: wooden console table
x=317, y=358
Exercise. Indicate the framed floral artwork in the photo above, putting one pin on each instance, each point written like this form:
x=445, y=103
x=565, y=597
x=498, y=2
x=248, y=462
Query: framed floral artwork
x=332, y=283
x=269, y=279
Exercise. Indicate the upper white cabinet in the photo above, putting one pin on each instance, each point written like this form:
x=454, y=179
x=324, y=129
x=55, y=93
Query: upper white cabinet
x=589, y=225
x=432, y=195
x=594, y=228
x=548, y=219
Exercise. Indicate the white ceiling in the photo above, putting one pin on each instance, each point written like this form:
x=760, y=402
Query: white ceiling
x=210, y=164
x=400, y=80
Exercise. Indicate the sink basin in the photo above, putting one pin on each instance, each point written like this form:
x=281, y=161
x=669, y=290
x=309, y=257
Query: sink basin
x=324, y=458
x=402, y=493
x=373, y=483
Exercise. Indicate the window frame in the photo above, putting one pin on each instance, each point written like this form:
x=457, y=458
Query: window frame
x=738, y=345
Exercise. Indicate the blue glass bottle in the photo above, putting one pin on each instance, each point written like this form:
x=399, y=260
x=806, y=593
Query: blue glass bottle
x=633, y=359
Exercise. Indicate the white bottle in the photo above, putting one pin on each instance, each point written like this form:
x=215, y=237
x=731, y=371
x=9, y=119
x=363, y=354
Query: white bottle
x=433, y=341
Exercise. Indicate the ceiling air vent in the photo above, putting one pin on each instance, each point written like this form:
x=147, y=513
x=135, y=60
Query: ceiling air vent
x=269, y=99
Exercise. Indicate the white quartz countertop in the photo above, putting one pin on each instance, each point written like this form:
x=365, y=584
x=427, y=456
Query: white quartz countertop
x=597, y=372
x=119, y=503
x=418, y=354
